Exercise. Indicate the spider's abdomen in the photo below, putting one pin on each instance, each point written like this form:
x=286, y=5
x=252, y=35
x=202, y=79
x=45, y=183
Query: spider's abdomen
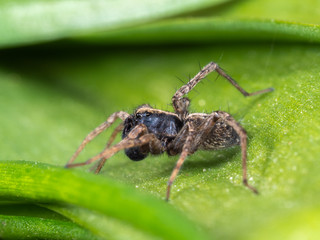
x=221, y=136
x=164, y=125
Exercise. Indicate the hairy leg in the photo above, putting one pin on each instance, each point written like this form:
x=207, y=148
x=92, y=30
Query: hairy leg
x=186, y=150
x=97, y=131
x=228, y=119
x=191, y=137
x=136, y=138
x=202, y=130
x=114, y=134
x=180, y=104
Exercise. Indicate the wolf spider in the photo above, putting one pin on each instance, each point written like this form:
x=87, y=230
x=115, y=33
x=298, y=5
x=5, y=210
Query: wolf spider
x=154, y=131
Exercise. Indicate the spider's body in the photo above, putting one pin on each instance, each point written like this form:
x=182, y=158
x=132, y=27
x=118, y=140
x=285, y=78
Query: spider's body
x=166, y=126
x=154, y=131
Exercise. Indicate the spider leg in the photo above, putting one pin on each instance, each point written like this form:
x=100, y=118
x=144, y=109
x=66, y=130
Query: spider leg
x=97, y=131
x=180, y=104
x=186, y=150
x=176, y=145
x=228, y=119
x=134, y=139
x=114, y=134
x=202, y=130
x=192, y=137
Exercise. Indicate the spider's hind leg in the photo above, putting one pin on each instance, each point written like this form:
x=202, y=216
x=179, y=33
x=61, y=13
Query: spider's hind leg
x=228, y=119
x=178, y=101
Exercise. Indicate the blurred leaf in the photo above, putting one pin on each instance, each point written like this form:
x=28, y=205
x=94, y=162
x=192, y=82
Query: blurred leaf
x=28, y=210
x=294, y=11
x=43, y=183
x=13, y=227
x=34, y=21
x=208, y=30
x=104, y=226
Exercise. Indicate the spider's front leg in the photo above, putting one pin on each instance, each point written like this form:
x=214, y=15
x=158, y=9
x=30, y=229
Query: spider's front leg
x=122, y=115
x=137, y=137
x=114, y=134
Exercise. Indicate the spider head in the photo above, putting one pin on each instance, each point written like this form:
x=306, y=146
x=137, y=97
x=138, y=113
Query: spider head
x=164, y=125
x=161, y=123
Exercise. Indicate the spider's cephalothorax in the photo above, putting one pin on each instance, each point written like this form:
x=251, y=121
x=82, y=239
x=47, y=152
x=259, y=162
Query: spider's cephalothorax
x=154, y=131
x=164, y=125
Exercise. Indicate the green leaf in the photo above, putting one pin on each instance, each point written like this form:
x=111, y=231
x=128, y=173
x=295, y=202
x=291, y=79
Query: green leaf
x=208, y=30
x=293, y=11
x=101, y=225
x=52, y=95
x=14, y=227
x=43, y=183
x=33, y=21
x=56, y=102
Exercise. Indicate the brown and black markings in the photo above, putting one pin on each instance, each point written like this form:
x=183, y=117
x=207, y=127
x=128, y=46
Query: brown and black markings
x=153, y=131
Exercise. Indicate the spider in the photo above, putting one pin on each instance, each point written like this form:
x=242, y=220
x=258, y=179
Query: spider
x=154, y=131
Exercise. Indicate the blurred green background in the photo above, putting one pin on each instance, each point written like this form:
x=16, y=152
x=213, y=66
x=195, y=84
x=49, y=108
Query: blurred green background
x=65, y=66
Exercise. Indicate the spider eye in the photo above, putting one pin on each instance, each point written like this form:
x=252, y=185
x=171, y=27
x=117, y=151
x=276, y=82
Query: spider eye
x=144, y=114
